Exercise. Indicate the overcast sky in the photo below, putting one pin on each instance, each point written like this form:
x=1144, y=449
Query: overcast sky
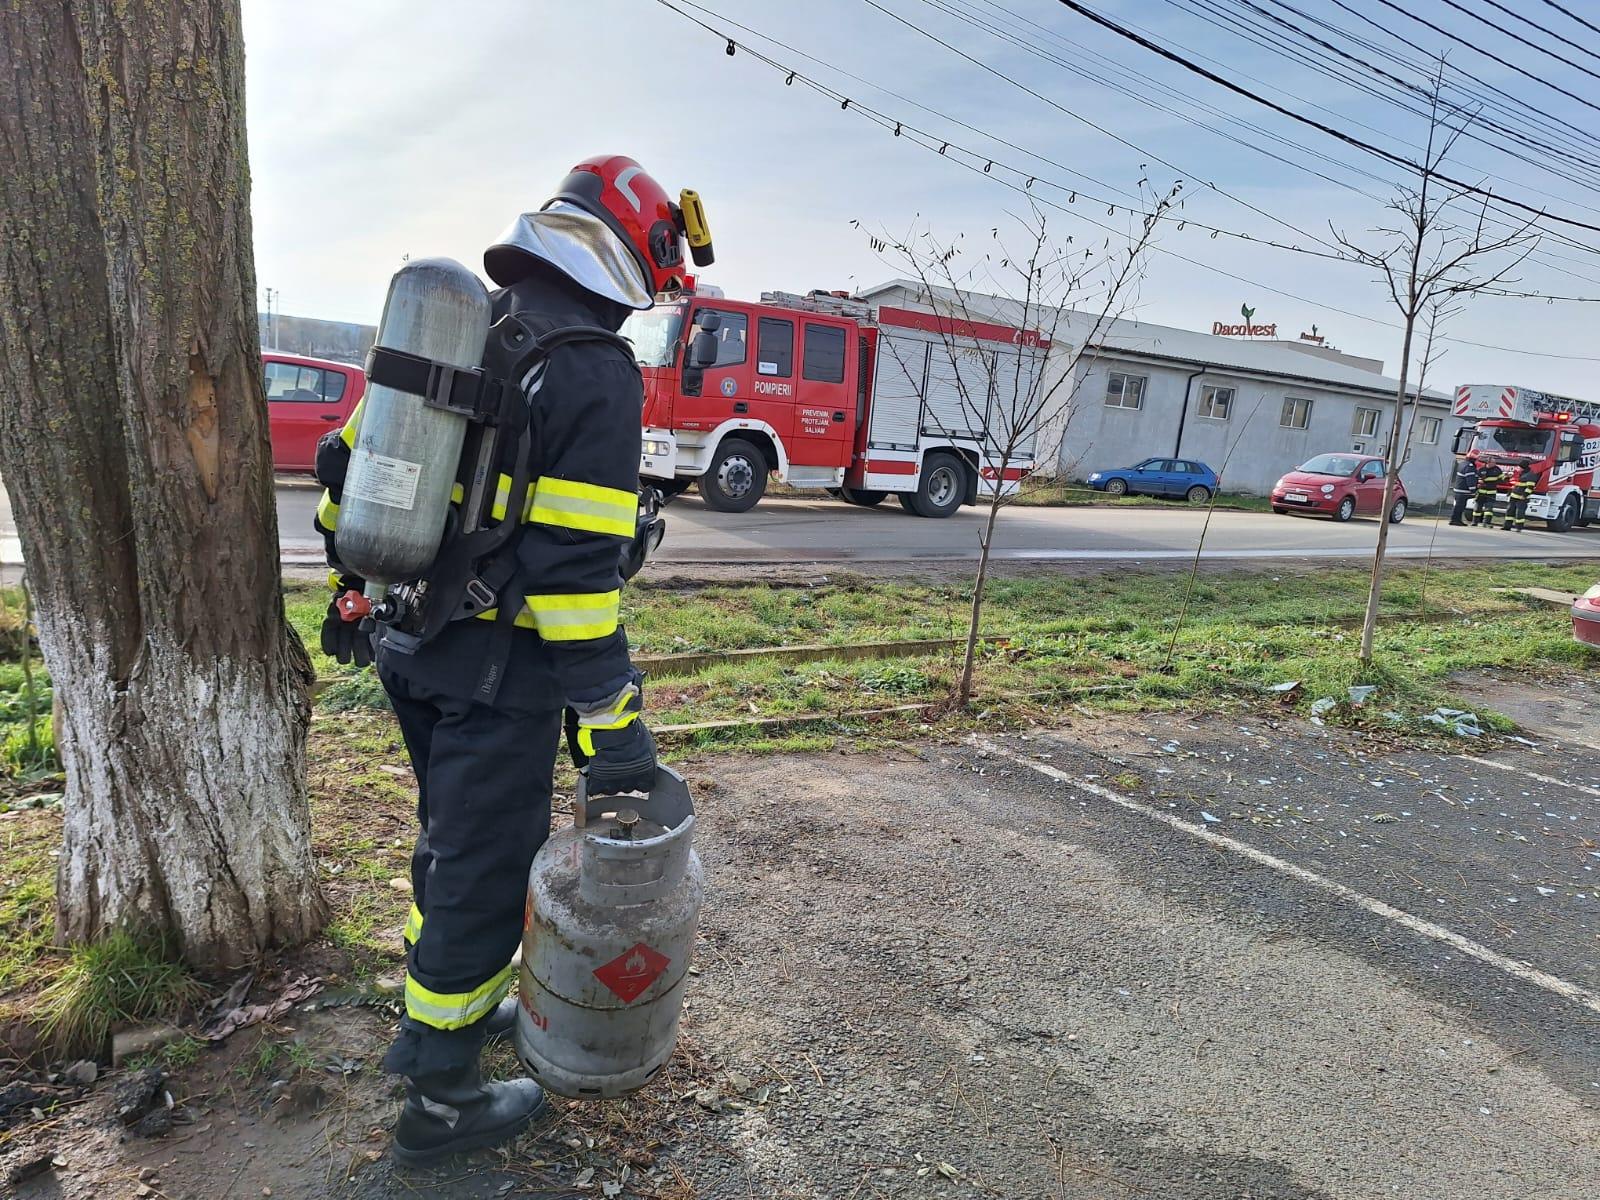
x=380, y=128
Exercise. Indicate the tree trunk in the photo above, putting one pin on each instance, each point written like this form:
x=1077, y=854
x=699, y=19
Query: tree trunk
x=1369, y=623
x=969, y=660
x=133, y=442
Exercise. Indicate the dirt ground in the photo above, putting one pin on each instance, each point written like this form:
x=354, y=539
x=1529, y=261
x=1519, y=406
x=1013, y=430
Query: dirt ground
x=1020, y=971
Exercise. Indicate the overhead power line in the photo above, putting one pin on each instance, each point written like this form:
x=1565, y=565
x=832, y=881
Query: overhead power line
x=1477, y=49
x=1545, y=50
x=1562, y=8
x=1378, y=151
x=1566, y=41
x=1098, y=128
x=1556, y=160
x=971, y=163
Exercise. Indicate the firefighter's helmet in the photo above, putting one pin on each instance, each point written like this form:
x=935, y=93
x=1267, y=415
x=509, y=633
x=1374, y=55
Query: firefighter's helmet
x=616, y=191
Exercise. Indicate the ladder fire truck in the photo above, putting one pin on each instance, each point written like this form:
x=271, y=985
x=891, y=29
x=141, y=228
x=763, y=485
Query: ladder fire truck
x=823, y=391
x=1559, y=436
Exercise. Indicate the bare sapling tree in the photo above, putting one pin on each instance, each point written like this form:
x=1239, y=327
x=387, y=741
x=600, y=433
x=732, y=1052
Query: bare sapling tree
x=989, y=407
x=1444, y=243
x=133, y=443
x=1439, y=314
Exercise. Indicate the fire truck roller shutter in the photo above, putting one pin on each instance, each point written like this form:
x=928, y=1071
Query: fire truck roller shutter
x=902, y=374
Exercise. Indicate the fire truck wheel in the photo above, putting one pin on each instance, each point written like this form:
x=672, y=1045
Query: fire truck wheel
x=942, y=488
x=736, y=478
x=862, y=497
x=1567, y=517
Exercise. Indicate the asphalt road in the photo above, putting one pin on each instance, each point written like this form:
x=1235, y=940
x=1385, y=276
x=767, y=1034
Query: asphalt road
x=799, y=531
x=1160, y=956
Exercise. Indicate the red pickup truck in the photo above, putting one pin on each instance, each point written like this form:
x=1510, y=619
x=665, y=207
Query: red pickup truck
x=306, y=397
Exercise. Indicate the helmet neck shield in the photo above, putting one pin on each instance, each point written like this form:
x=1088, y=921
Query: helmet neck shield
x=579, y=245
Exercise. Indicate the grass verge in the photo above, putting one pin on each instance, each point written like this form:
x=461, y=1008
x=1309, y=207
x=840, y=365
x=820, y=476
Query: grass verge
x=117, y=980
x=1091, y=643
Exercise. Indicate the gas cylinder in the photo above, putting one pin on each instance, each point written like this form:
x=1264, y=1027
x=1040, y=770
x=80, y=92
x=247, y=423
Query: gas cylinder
x=607, y=936
x=404, y=461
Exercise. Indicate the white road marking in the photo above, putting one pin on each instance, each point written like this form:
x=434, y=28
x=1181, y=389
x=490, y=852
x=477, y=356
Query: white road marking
x=1551, y=780
x=1427, y=929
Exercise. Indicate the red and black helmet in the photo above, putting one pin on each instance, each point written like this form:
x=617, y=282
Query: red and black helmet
x=638, y=210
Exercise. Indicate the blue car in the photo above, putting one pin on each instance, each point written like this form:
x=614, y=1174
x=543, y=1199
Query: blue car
x=1172, y=478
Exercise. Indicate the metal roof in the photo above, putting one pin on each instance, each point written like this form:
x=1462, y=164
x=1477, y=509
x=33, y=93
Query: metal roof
x=1179, y=346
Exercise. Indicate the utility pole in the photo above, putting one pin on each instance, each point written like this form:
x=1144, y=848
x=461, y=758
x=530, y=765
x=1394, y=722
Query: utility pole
x=272, y=320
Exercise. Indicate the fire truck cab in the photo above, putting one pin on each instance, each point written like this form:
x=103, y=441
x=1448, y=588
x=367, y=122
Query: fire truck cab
x=1558, y=436
x=822, y=392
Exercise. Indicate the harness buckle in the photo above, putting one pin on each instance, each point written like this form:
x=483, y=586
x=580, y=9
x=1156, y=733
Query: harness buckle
x=479, y=596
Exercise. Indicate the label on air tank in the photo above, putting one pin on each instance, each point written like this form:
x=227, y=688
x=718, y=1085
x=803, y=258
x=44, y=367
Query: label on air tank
x=388, y=481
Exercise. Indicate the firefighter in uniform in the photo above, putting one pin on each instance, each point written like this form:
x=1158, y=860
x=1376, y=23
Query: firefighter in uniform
x=602, y=248
x=1522, y=489
x=1490, y=473
x=1466, y=485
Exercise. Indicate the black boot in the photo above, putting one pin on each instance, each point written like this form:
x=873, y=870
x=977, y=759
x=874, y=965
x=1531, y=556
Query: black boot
x=499, y=1024
x=453, y=1112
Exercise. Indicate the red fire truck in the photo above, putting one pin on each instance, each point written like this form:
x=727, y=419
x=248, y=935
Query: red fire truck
x=822, y=391
x=1558, y=435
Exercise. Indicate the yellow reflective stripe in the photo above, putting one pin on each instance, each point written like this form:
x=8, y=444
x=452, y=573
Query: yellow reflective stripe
x=502, y=492
x=586, y=506
x=457, y=493
x=576, y=616
x=413, y=928
x=328, y=512
x=618, y=712
x=586, y=732
x=524, y=619
x=347, y=435
x=456, y=1010
x=333, y=579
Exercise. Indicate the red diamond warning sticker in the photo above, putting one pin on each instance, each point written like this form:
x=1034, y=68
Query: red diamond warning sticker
x=630, y=973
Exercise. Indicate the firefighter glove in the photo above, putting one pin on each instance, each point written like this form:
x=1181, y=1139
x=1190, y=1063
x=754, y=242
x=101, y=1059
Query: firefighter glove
x=614, y=743
x=345, y=641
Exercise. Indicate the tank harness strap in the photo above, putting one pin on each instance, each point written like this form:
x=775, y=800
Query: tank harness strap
x=479, y=569
x=510, y=589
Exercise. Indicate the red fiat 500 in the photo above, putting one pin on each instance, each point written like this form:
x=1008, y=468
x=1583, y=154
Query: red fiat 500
x=1340, y=486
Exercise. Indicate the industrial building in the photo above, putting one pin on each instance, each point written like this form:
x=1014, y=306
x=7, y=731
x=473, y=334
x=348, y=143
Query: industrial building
x=1251, y=408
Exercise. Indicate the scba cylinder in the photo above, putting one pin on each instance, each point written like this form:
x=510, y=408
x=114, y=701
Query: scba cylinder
x=403, y=465
x=610, y=928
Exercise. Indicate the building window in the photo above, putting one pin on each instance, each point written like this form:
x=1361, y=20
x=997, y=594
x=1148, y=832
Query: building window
x=775, y=347
x=1296, y=413
x=1124, y=391
x=1429, y=432
x=1367, y=422
x=1215, y=403
x=824, y=354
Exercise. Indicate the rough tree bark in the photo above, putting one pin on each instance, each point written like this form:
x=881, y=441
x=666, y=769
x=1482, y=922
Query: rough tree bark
x=133, y=444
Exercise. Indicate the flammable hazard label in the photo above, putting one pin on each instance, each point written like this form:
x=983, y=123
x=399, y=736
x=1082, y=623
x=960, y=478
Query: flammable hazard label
x=630, y=973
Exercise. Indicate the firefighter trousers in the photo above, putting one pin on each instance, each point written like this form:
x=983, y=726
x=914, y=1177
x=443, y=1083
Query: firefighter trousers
x=484, y=781
x=1458, y=514
x=1517, y=512
x=1483, y=511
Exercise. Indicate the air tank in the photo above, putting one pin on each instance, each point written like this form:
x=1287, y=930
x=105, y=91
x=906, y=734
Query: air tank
x=607, y=937
x=403, y=465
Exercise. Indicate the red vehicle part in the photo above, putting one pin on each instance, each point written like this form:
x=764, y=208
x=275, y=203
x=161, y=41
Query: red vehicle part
x=1586, y=617
x=306, y=397
x=1338, y=485
x=1557, y=436
x=824, y=392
